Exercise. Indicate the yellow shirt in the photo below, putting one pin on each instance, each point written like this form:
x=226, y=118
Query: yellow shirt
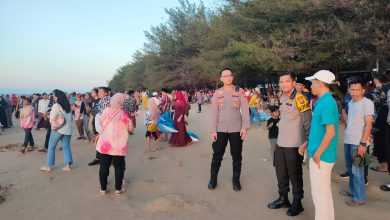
x=145, y=101
x=152, y=127
x=254, y=102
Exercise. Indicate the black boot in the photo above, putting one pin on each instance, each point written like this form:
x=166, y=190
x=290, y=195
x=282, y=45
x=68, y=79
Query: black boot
x=213, y=178
x=236, y=175
x=212, y=183
x=236, y=184
x=295, y=208
x=281, y=202
x=215, y=165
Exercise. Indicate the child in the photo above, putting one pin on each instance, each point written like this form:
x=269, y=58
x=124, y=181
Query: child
x=27, y=123
x=272, y=127
x=151, y=120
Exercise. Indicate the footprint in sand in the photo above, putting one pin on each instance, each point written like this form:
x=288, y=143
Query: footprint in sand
x=9, y=147
x=4, y=192
x=175, y=202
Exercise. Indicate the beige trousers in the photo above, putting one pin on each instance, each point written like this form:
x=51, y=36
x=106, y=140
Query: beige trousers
x=320, y=180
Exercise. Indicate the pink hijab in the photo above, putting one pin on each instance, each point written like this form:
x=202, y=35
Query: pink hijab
x=116, y=103
x=153, y=108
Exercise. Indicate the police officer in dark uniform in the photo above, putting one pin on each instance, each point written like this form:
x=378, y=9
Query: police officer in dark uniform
x=229, y=122
x=294, y=127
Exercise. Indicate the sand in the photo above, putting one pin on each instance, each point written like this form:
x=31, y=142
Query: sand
x=170, y=184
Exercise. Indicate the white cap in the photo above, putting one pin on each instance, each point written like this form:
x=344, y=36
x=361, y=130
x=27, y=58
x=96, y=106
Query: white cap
x=323, y=75
x=154, y=94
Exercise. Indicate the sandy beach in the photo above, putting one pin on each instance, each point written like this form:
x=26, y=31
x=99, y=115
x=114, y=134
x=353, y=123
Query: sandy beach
x=169, y=184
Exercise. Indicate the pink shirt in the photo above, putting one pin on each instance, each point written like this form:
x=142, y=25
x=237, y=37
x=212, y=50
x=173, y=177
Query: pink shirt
x=113, y=139
x=27, y=119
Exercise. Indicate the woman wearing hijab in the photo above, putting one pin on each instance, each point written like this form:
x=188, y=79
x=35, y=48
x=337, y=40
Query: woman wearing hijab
x=180, y=138
x=3, y=115
x=112, y=142
x=62, y=133
x=27, y=123
x=8, y=110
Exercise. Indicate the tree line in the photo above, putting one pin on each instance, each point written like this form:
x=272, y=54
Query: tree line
x=257, y=38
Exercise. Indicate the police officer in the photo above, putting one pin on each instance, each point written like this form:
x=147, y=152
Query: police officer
x=229, y=122
x=294, y=127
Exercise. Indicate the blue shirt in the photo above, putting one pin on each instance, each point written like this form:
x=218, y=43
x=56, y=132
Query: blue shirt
x=325, y=113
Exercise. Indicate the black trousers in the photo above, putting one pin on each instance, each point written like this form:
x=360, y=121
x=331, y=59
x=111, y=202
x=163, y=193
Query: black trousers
x=98, y=155
x=387, y=150
x=48, y=132
x=288, y=166
x=28, y=138
x=219, y=148
x=366, y=167
x=380, y=142
x=119, y=166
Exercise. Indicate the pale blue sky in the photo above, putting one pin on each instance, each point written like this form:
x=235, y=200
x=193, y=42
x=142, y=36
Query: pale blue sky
x=72, y=44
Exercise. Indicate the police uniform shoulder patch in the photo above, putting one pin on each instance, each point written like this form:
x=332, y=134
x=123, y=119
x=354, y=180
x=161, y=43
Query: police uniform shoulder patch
x=302, y=102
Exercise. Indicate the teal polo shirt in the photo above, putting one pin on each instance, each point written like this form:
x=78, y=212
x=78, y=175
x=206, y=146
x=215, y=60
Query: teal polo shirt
x=325, y=113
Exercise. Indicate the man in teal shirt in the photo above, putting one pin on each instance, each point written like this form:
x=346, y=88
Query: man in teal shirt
x=322, y=143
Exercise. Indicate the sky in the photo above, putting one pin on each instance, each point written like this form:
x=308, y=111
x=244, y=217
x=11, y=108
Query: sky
x=72, y=45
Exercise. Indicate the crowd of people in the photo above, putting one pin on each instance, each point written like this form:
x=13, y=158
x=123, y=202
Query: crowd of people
x=102, y=117
x=302, y=122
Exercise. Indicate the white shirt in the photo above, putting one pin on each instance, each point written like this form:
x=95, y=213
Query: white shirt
x=43, y=105
x=66, y=129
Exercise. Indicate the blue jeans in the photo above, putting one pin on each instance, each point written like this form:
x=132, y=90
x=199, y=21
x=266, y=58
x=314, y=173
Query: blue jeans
x=255, y=117
x=356, y=174
x=55, y=137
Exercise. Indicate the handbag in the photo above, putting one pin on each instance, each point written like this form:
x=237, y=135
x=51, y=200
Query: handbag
x=58, y=121
x=41, y=124
x=17, y=114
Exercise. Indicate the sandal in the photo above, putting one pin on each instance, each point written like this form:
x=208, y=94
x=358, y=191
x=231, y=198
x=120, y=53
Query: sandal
x=66, y=168
x=385, y=187
x=120, y=192
x=346, y=193
x=102, y=192
x=44, y=168
x=378, y=170
x=42, y=150
x=354, y=203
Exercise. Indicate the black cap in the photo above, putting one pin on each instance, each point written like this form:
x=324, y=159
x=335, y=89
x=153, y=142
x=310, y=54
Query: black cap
x=301, y=80
x=273, y=108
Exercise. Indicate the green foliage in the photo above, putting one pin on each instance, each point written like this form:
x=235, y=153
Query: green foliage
x=257, y=38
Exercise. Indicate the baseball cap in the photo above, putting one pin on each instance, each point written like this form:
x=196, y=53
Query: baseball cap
x=323, y=75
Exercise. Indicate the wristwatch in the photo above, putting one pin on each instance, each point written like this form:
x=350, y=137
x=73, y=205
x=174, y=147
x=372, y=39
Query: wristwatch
x=363, y=144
